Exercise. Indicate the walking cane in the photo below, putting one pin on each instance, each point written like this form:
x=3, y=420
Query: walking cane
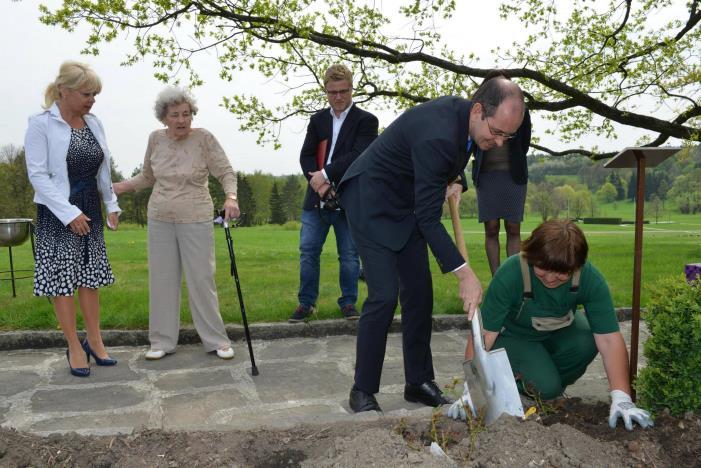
x=235, y=275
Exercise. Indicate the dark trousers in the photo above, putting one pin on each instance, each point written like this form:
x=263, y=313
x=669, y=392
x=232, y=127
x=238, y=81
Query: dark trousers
x=388, y=274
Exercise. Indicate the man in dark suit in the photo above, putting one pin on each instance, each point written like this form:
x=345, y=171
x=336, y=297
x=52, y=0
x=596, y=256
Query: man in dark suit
x=393, y=196
x=500, y=177
x=335, y=138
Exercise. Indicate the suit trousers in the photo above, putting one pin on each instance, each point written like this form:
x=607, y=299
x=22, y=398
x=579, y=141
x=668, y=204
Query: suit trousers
x=172, y=249
x=390, y=273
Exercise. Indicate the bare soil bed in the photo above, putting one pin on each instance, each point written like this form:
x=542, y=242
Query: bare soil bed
x=575, y=435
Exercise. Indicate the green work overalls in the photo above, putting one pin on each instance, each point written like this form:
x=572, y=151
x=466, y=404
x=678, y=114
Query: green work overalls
x=548, y=349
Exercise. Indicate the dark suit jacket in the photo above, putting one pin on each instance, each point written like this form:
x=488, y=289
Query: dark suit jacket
x=518, y=148
x=359, y=129
x=403, y=175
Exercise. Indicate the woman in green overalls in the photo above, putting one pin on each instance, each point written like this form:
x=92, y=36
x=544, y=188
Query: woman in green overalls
x=530, y=310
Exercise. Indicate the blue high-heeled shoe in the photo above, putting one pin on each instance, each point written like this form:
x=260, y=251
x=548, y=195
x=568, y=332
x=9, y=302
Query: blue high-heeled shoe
x=77, y=371
x=108, y=361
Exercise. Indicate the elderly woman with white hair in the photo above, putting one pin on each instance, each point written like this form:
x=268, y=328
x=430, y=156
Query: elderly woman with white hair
x=68, y=164
x=177, y=164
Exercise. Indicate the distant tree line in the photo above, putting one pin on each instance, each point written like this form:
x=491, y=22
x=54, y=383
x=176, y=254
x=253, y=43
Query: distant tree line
x=263, y=198
x=572, y=186
x=16, y=193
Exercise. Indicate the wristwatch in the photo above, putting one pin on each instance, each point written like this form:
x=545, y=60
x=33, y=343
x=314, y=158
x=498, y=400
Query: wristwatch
x=232, y=197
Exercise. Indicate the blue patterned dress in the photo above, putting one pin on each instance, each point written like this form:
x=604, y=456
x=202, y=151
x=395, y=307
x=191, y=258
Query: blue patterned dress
x=66, y=261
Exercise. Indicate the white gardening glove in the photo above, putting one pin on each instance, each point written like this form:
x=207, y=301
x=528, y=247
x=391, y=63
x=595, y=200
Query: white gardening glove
x=457, y=409
x=622, y=406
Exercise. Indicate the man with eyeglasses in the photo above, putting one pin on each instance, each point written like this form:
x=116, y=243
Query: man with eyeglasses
x=335, y=137
x=500, y=177
x=393, y=195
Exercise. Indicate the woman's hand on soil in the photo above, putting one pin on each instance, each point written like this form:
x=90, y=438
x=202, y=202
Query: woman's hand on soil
x=622, y=406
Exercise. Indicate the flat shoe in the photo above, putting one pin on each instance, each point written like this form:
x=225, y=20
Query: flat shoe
x=226, y=353
x=154, y=354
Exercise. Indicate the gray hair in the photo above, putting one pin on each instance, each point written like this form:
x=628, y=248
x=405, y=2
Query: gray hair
x=173, y=96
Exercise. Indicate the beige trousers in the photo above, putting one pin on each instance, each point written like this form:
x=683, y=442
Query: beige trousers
x=172, y=249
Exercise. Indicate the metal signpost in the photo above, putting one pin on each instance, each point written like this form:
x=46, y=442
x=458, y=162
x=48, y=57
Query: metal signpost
x=638, y=158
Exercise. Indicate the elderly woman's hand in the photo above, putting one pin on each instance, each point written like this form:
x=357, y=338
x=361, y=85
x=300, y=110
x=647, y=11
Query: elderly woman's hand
x=231, y=209
x=113, y=220
x=121, y=187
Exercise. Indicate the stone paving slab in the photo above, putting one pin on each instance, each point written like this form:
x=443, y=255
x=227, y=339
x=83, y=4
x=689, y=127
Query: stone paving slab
x=2, y=414
x=104, y=423
x=16, y=381
x=302, y=379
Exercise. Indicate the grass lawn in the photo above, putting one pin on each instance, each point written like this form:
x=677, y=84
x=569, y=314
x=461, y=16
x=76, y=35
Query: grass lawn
x=268, y=265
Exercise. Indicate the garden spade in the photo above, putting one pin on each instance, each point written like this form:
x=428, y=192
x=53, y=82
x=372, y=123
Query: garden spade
x=495, y=377
x=491, y=369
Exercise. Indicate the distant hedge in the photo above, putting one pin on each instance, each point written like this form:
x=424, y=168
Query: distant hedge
x=602, y=220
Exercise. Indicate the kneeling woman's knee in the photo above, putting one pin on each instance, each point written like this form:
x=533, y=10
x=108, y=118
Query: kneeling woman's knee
x=544, y=387
x=586, y=347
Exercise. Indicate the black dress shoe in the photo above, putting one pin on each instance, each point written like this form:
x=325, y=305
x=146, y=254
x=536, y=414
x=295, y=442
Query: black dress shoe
x=427, y=393
x=360, y=401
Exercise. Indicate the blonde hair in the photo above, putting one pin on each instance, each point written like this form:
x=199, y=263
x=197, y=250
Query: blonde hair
x=72, y=75
x=173, y=96
x=338, y=72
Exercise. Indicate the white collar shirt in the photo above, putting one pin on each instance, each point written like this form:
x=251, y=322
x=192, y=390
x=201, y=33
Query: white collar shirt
x=337, y=124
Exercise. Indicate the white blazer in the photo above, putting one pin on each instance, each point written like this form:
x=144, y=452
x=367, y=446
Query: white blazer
x=46, y=147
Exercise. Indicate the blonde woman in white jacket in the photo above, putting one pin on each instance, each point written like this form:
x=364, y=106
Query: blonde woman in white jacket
x=68, y=165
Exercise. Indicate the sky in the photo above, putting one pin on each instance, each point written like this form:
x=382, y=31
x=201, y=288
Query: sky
x=32, y=52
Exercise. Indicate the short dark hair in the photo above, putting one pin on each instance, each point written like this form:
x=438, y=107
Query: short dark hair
x=556, y=245
x=494, y=90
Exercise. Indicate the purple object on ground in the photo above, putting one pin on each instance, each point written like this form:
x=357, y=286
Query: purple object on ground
x=692, y=271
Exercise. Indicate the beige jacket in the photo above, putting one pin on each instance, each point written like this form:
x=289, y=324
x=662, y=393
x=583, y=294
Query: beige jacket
x=178, y=171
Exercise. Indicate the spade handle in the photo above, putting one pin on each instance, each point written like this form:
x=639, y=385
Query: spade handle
x=457, y=228
x=477, y=329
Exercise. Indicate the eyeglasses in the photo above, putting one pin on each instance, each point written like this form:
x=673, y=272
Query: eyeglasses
x=499, y=133
x=340, y=92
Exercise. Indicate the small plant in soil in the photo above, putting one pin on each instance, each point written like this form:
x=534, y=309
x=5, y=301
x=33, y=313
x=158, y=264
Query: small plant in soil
x=543, y=407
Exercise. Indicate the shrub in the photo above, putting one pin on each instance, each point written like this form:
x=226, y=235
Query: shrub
x=291, y=226
x=672, y=378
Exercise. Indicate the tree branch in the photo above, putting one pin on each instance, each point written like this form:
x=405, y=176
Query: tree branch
x=275, y=29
